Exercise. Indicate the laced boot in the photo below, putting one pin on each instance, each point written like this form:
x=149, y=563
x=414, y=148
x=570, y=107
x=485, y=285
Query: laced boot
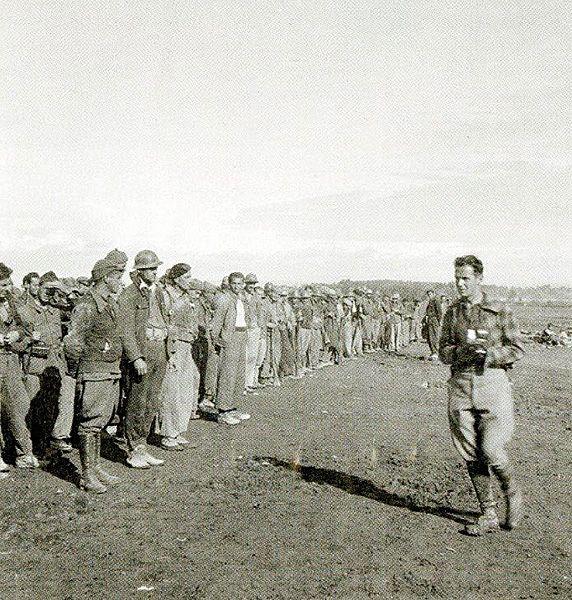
x=103, y=476
x=488, y=521
x=513, y=496
x=89, y=481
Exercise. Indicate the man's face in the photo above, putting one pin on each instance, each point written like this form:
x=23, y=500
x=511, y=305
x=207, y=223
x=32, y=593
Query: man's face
x=148, y=276
x=184, y=281
x=249, y=287
x=84, y=287
x=468, y=282
x=44, y=294
x=236, y=284
x=6, y=287
x=430, y=295
x=33, y=286
x=114, y=283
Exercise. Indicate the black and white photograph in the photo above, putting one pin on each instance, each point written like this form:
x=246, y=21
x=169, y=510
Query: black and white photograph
x=285, y=299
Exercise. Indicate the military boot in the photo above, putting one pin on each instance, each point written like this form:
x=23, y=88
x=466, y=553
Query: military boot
x=103, y=476
x=513, y=496
x=488, y=522
x=89, y=481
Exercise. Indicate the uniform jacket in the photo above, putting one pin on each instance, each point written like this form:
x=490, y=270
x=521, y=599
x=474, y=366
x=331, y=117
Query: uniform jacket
x=503, y=343
x=47, y=322
x=133, y=315
x=93, y=339
x=434, y=311
x=223, y=323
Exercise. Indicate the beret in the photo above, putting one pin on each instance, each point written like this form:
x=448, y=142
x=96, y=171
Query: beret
x=177, y=270
x=102, y=268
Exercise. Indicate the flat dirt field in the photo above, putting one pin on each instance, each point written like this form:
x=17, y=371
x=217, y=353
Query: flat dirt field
x=342, y=485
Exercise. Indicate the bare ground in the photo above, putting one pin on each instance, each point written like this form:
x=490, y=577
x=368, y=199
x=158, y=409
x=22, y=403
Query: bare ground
x=343, y=485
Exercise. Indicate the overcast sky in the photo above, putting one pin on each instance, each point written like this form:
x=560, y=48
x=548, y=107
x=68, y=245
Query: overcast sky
x=302, y=140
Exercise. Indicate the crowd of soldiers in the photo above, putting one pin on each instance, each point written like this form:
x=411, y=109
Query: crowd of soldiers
x=90, y=357
x=86, y=356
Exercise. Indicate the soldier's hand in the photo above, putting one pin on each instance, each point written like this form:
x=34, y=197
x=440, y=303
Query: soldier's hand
x=140, y=367
x=12, y=337
x=467, y=354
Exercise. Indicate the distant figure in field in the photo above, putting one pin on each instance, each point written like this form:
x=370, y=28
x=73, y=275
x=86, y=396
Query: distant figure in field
x=433, y=316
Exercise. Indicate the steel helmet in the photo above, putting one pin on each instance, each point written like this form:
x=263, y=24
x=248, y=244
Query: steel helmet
x=146, y=259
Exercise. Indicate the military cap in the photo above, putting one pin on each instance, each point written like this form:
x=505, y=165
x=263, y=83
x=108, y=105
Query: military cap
x=251, y=278
x=146, y=259
x=305, y=293
x=5, y=271
x=50, y=280
x=269, y=287
x=103, y=268
x=284, y=292
x=117, y=258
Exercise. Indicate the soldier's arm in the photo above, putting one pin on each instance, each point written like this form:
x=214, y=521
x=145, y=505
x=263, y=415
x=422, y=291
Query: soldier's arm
x=512, y=348
x=127, y=328
x=447, y=347
x=81, y=322
x=218, y=319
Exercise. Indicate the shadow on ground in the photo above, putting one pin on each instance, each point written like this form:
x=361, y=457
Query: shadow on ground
x=367, y=489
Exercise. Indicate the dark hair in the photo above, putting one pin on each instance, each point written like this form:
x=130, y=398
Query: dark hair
x=177, y=270
x=29, y=277
x=430, y=292
x=470, y=261
x=235, y=275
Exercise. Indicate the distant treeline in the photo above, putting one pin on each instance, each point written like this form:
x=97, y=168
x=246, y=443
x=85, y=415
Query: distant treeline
x=545, y=294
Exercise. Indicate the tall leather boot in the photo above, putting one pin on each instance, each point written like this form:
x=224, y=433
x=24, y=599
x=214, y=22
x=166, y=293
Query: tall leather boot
x=89, y=481
x=103, y=476
x=513, y=495
x=488, y=521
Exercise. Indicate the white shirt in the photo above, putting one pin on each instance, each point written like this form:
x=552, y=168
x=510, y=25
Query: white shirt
x=240, y=315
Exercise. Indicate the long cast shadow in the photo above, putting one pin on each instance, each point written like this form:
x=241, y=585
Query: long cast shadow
x=367, y=489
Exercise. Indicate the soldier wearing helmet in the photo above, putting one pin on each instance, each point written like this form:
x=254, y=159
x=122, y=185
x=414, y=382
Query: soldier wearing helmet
x=144, y=327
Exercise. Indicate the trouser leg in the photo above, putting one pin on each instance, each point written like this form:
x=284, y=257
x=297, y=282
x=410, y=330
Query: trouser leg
x=63, y=425
x=15, y=403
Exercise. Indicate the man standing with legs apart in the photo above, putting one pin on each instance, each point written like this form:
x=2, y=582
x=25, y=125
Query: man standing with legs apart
x=480, y=340
x=93, y=341
x=228, y=332
x=143, y=326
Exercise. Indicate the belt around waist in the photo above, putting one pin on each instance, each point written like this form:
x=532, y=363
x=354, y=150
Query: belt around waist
x=155, y=335
x=240, y=328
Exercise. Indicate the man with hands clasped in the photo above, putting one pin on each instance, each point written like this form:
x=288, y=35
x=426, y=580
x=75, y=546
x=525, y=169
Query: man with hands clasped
x=481, y=341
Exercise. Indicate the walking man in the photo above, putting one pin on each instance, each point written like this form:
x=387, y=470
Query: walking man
x=481, y=341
